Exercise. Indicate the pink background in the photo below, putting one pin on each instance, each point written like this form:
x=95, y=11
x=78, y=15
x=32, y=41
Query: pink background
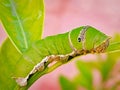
x=62, y=16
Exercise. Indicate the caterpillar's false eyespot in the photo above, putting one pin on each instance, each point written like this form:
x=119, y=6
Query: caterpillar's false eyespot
x=79, y=39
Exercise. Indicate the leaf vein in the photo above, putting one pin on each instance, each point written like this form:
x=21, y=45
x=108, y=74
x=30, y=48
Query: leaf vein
x=20, y=24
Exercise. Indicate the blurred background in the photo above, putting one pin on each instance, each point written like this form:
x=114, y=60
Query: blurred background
x=64, y=15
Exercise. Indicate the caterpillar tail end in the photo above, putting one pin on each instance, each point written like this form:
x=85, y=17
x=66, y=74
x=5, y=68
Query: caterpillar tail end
x=21, y=81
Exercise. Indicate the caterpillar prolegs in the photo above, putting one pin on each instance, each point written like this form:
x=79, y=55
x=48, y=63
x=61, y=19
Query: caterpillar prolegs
x=64, y=47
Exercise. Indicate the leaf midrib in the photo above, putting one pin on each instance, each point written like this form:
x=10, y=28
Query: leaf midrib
x=20, y=24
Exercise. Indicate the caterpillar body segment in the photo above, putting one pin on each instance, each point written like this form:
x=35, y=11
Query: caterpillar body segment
x=64, y=47
x=94, y=38
x=59, y=40
x=74, y=35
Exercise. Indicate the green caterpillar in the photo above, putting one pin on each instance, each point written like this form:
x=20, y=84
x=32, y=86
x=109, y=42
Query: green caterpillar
x=64, y=47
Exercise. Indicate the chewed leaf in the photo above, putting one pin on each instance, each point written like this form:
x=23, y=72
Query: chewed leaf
x=23, y=21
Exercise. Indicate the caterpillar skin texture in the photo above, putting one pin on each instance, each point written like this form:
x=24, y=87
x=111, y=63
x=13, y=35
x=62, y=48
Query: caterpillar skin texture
x=63, y=47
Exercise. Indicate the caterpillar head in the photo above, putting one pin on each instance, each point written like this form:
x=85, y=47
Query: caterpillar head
x=87, y=37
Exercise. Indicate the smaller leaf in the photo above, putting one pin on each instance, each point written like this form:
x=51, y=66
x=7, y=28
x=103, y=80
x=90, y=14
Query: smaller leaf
x=66, y=84
x=86, y=74
x=106, y=68
x=113, y=47
x=81, y=81
x=116, y=38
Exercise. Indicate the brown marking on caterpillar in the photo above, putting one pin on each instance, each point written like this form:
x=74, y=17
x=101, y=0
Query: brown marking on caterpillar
x=49, y=59
x=40, y=67
x=101, y=48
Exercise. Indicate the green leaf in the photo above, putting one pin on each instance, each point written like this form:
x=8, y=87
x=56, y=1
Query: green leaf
x=9, y=57
x=12, y=64
x=106, y=67
x=23, y=21
x=116, y=38
x=66, y=84
x=85, y=75
x=113, y=47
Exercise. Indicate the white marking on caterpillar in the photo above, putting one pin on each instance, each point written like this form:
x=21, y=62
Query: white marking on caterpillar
x=81, y=37
x=70, y=42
